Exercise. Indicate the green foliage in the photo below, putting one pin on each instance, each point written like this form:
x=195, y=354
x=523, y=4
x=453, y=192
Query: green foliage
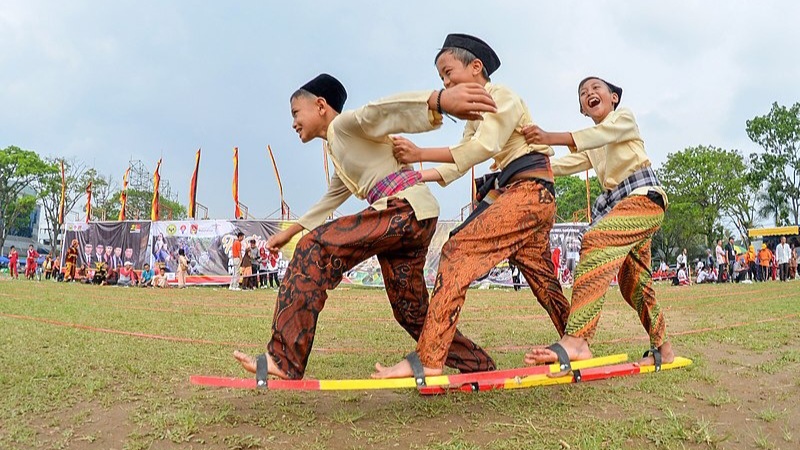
x=701, y=183
x=778, y=132
x=571, y=197
x=139, y=203
x=18, y=169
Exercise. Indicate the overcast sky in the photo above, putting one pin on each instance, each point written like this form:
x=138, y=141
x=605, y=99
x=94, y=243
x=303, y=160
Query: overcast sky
x=107, y=82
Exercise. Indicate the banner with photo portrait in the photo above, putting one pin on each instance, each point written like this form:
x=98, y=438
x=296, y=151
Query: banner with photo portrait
x=112, y=243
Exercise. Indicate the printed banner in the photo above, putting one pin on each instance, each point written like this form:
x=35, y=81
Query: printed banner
x=207, y=245
x=113, y=243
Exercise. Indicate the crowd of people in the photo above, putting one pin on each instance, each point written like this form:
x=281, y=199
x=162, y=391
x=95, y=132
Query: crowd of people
x=729, y=263
x=257, y=267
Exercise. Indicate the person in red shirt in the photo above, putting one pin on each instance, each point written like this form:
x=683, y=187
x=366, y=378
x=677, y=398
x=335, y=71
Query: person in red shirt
x=30, y=262
x=13, y=263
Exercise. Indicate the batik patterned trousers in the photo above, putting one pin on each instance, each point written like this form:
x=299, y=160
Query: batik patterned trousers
x=323, y=256
x=618, y=244
x=516, y=226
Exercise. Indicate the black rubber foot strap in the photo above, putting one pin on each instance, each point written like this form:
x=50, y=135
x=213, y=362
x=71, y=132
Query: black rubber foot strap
x=416, y=367
x=563, y=357
x=656, y=357
x=261, y=371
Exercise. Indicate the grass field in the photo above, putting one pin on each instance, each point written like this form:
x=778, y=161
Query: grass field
x=85, y=367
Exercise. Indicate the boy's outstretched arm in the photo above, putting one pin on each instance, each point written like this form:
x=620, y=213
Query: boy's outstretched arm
x=535, y=135
x=407, y=152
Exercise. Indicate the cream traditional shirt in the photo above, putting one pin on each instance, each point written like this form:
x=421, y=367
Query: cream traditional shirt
x=613, y=148
x=498, y=135
x=361, y=151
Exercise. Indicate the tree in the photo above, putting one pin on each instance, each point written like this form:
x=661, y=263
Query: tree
x=742, y=206
x=48, y=187
x=571, y=196
x=773, y=203
x=18, y=168
x=778, y=133
x=679, y=231
x=707, y=178
x=105, y=197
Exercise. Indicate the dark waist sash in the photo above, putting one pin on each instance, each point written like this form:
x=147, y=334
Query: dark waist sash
x=492, y=185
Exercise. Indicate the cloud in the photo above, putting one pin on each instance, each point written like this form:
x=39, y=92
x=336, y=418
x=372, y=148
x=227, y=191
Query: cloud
x=110, y=81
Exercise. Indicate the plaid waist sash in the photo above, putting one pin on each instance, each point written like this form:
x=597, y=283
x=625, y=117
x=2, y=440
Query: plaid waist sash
x=608, y=199
x=394, y=183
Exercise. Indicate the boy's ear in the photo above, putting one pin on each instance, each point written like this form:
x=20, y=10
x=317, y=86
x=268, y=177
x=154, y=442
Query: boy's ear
x=477, y=66
x=614, y=98
x=321, y=104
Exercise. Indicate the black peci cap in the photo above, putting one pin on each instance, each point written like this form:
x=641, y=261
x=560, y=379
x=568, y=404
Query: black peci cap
x=477, y=47
x=329, y=88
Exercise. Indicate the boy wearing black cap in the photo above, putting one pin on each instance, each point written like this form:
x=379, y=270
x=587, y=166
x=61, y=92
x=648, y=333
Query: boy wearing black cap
x=397, y=226
x=624, y=219
x=513, y=219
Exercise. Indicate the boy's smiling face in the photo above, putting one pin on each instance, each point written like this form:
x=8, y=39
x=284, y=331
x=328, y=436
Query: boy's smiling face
x=308, y=117
x=597, y=100
x=453, y=72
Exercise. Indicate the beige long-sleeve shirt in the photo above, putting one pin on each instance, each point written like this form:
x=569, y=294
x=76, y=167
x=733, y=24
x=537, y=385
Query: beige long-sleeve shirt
x=361, y=151
x=613, y=148
x=498, y=135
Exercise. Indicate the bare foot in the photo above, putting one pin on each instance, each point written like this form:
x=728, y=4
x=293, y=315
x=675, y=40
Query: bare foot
x=577, y=349
x=401, y=370
x=249, y=364
x=667, y=356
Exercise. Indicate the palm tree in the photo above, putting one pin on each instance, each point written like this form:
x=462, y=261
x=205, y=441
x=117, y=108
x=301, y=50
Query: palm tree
x=774, y=203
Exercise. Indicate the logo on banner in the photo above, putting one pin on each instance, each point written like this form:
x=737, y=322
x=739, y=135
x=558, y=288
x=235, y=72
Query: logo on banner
x=136, y=228
x=77, y=227
x=171, y=229
x=193, y=228
x=183, y=229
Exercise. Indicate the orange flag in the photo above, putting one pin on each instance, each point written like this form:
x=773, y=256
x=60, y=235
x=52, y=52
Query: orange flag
x=63, y=195
x=123, y=196
x=280, y=185
x=236, y=212
x=156, y=182
x=193, y=187
x=88, y=202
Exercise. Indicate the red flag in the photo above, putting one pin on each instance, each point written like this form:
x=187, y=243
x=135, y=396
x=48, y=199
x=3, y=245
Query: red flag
x=123, y=196
x=237, y=212
x=88, y=202
x=284, y=212
x=156, y=182
x=63, y=195
x=193, y=187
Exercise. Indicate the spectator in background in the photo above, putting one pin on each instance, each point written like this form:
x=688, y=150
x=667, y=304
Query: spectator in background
x=48, y=267
x=721, y=262
x=273, y=268
x=764, y=258
x=236, y=260
x=183, y=268
x=112, y=276
x=13, y=263
x=682, y=259
x=683, y=276
x=793, y=263
x=99, y=277
x=730, y=257
x=247, y=268
x=255, y=260
x=147, y=276
x=127, y=276
x=263, y=266
x=160, y=279
x=515, y=277
x=750, y=258
x=783, y=254
x=709, y=258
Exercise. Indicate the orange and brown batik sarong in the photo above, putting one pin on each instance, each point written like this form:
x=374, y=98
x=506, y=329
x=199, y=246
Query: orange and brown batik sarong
x=323, y=256
x=515, y=226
